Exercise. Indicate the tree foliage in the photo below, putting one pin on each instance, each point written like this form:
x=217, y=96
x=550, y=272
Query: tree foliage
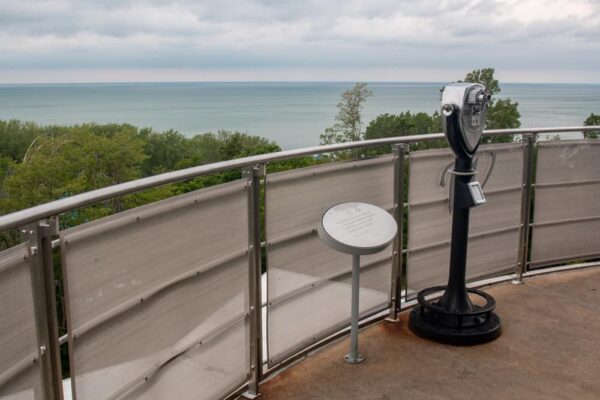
x=503, y=114
x=78, y=160
x=485, y=76
x=165, y=151
x=15, y=146
x=39, y=164
x=404, y=124
x=592, y=120
x=349, y=124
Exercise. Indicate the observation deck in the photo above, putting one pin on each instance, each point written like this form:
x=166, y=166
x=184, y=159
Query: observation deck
x=548, y=350
x=228, y=291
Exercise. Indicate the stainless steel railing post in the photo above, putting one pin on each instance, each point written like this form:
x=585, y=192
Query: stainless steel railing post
x=253, y=175
x=521, y=268
x=39, y=236
x=399, y=152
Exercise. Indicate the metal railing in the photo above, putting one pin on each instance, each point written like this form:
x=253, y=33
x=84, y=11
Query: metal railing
x=39, y=224
x=20, y=218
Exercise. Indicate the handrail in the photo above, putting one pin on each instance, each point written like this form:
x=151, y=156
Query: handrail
x=53, y=208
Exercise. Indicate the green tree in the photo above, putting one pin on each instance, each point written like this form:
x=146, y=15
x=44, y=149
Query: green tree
x=349, y=124
x=165, y=151
x=404, y=124
x=70, y=163
x=65, y=160
x=6, y=166
x=224, y=145
x=503, y=114
x=485, y=76
x=592, y=120
x=203, y=149
x=238, y=145
x=16, y=136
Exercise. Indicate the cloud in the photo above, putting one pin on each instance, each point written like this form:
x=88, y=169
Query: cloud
x=291, y=35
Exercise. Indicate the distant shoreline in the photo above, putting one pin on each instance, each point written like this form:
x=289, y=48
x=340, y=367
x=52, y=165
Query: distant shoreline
x=271, y=82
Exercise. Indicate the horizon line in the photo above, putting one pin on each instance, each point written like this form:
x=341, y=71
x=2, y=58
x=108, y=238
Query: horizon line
x=274, y=81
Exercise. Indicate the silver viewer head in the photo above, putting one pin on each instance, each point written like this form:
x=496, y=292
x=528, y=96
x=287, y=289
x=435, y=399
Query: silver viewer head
x=470, y=102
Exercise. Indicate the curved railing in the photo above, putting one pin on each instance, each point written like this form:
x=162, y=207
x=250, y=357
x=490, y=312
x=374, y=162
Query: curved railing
x=169, y=299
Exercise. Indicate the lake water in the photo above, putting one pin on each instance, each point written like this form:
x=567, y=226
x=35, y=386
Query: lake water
x=293, y=114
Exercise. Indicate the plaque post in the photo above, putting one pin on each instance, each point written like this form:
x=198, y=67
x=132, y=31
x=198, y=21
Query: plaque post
x=353, y=356
x=357, y=229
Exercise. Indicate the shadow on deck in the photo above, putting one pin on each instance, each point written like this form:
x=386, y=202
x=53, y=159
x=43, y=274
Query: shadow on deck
x=549, y=349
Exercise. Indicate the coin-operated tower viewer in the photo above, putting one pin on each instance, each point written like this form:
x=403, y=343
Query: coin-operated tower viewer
x=454, y=319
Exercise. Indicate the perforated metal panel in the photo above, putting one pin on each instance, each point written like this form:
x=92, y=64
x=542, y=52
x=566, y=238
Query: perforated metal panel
x=158, y=292
x=19, y=374
x=309, y=286
x=494, y=226
x=567, y=209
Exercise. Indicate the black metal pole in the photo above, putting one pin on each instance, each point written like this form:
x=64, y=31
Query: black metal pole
x=455, y=297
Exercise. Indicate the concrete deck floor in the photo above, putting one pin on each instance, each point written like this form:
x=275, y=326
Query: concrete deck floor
x=549, y=349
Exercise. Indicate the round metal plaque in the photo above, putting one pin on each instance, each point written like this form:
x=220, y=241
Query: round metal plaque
x=357, y=228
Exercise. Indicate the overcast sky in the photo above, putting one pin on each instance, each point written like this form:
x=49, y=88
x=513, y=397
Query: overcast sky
x=370, y=40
